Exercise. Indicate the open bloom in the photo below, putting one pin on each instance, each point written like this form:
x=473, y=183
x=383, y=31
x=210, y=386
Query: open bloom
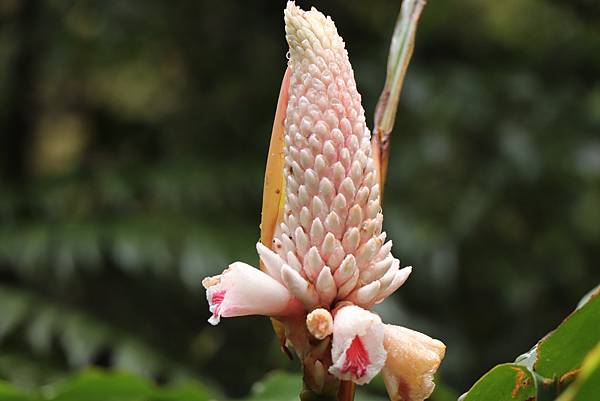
x=329, y=252
x=357, y=349
x=243, y=290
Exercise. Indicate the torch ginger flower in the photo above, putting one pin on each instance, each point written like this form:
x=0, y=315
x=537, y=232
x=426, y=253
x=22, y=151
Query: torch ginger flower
x=328, y=251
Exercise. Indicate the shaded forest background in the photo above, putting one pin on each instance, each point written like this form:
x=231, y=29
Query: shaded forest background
x=134, y=139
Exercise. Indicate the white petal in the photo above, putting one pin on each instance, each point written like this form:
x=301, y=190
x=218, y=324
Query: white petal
x=244, y=290
x=357, y=350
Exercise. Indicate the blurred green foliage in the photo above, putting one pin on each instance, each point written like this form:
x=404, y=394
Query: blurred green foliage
x=95, y=385
x=134, y=140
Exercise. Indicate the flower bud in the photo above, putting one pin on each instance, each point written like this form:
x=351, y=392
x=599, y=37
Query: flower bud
x=319, y=323
x=412, y=360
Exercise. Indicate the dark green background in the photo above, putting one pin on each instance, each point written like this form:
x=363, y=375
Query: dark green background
x=134, y=137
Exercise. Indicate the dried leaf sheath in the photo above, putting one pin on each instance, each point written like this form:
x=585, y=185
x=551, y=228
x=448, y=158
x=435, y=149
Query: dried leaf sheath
x=274, y=187
x=274, y=184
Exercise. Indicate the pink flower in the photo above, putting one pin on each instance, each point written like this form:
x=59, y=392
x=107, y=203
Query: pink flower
x=357, y=350
x=243, y=290
x=329, y=246
x=329, y=255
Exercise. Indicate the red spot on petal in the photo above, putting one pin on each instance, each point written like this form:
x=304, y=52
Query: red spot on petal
x=357, y=359
x=216, y=300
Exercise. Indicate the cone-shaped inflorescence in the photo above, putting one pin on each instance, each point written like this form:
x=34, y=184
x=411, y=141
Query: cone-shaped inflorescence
x=330, y=245
x=329, y=261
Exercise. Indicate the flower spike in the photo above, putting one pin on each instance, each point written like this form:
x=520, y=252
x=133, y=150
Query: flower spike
x=333, y=212
x=324, y=257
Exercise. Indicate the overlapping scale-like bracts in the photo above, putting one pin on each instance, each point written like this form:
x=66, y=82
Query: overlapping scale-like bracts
x=329, y=248
x=330, y=245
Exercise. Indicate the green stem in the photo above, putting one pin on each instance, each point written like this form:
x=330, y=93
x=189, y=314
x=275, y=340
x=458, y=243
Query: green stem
x=401, y=47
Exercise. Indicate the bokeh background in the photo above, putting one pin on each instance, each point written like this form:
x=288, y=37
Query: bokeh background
x=134, y=138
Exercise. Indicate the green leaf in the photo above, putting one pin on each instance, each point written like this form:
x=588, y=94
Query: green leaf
x=41, y=329
x=13, y=308
x=442, y=391
x=510, y=382
x=184, y=392
x=283, y=386
x=561, y=352
x=278, y=386
x=96, y=385
x=81, y=338
x=587, y=385
x=26, y=371
x=10, y=393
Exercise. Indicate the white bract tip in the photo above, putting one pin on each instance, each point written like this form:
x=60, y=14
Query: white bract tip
x=365, y=295
x=399, y=279
x=271, y=261
x=326, y=286
x=299, y=287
